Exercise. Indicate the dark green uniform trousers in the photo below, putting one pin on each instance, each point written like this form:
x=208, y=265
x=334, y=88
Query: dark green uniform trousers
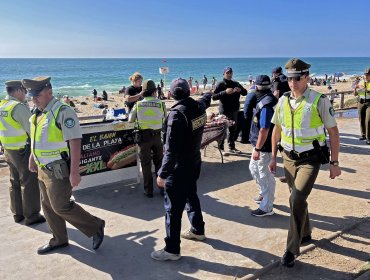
x=24, y=187
x=301, y=176
x=59, y=208
x=152, y=144
x=364, y=117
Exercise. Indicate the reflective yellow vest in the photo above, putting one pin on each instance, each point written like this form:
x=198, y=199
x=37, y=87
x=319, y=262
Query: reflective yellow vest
x=47, y=140
x=361, y=91
x=12, y=134
x=150, y=113
x=304, y=124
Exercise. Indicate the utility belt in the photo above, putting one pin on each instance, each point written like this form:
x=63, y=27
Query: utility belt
x=58, y=168
x=145, y=135
x=294, y=155
x=322, y=152
x=363, y=100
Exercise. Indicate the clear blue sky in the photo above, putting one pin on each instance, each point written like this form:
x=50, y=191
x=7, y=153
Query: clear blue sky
x=191, y=28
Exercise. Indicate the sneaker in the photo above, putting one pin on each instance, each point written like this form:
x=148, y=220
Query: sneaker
x=258, y=199
x=288, y=259
x=224, y=153
x=190, y=235
x=362, y=138
x=234, y=151
x=282, y=179
x=259, y=213
x=162, y=255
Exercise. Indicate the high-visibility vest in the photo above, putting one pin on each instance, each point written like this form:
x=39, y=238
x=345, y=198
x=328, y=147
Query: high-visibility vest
x=304, y=124
x=12, y=134
x=47, y=142
x=150, y=113
x=361, y=91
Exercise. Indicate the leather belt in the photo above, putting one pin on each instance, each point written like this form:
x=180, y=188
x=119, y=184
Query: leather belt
x=303, y=155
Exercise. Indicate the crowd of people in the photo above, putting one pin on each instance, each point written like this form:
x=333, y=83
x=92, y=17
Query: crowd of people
x=280, y=113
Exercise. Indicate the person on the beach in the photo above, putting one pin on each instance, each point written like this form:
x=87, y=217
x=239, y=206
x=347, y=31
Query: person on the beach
x=196, y=86
x=95, y=94
x=204, y=82
x=301, y=117
x=149, y=115
x=68, y=101
x=362, y=90
x=279, y=82
x=250, y=79
x=213, y=83
x=260, y=138
x=228, y=92
x=180, y=168
x=24, y=189
x=104, y=96
x=190, y=82
x=133, y=92
x=55, y=156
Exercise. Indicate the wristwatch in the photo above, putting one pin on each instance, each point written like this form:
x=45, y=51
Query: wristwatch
x=334, y=162
x=257, y=150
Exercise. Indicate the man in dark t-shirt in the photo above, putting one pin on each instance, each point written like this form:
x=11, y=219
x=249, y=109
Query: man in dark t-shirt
x=279, y=82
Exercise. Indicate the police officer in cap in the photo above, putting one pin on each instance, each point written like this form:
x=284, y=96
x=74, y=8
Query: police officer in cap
x=149, y=115
x=180, y=168
x=301, y=117
x=14, y=136
x=56, y=149
x=362, y=90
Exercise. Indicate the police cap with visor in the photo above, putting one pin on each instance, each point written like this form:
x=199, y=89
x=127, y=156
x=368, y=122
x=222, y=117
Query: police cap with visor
x=36, y=85
x=296, y=67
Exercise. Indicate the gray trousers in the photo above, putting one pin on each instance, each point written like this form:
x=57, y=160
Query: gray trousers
x=150, y=145
x=59, y=208
x=24, y=188
x=364, y=117
x=301, y=176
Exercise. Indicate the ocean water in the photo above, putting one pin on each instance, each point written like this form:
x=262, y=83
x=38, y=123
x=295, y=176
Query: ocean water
x=78, y=77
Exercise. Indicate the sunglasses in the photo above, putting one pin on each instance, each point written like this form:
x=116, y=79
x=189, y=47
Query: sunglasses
x=297, y=79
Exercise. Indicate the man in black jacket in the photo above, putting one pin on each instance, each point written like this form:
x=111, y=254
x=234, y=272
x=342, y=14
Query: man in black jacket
x=279, y=82
x=180, y=170
x=228, y=92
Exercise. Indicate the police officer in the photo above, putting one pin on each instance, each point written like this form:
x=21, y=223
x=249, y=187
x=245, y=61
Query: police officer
x=279, y=82
x=149, y=114
x=14, y=136
x=300, y=119
x=56, y=148
x=228, y=92
x=362, y=90
x=180, y=168
x=260, y=138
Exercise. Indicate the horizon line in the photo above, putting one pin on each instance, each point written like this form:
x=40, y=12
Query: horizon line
x=235, y=57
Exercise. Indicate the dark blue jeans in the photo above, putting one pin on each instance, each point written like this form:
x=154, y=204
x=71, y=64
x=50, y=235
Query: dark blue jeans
x=178, y=195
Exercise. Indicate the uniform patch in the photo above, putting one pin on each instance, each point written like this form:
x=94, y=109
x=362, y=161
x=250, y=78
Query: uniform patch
x=3, y=113
x=69, y=123
x=199, y=122
x=331, y=111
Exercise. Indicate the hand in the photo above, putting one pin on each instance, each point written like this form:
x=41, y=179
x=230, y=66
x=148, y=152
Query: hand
x=74, y=179
x=272, y=166
x=229, y=91
x=32, y=166
x=237, y=89
x=334, y=171
x=256, y=155
x=277, y=93
x=160, y=182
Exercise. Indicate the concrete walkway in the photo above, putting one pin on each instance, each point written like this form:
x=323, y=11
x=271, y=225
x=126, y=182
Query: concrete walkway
x=237, y=244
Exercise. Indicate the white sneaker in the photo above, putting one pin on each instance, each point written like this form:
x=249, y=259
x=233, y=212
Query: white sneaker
x=190, y=235
x=162, y=255
x=234, y=151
